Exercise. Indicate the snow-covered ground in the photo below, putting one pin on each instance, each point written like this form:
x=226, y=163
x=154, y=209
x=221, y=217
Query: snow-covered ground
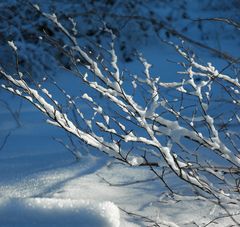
x=41, y=184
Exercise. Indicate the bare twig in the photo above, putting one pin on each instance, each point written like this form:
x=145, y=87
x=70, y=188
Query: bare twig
x=126, y=183
x=5, y=140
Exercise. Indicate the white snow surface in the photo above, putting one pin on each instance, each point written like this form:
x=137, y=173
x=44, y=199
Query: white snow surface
x=42, y=185
x=58, y=212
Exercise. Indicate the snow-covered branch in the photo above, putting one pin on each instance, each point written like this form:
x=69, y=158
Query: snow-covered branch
x=184, y=133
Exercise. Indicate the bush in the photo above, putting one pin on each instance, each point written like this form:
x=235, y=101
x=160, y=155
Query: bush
x=175, y=126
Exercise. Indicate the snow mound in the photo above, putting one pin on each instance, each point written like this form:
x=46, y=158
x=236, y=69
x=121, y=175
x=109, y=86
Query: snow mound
x=37, y=212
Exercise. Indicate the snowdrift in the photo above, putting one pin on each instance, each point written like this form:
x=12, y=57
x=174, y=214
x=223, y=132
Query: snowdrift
x=37, y=212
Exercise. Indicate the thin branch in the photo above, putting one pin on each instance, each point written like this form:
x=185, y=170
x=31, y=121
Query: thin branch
x=126, y=183
x=5, y=140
